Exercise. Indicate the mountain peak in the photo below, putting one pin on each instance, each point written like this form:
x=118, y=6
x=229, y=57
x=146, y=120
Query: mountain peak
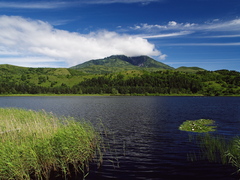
x=122, y=62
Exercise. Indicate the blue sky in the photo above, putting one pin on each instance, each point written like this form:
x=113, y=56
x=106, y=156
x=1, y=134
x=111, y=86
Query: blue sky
x=64, y=33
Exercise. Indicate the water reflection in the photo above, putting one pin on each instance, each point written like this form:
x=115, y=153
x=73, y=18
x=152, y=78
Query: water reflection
x=143, y=132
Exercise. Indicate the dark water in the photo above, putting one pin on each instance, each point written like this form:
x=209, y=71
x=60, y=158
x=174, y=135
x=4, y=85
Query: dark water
x=143, y=132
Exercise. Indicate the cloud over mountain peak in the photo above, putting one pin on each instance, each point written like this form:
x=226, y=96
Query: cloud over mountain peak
x=32, y=38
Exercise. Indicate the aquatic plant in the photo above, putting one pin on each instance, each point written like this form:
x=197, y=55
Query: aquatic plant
x=36, y=145
x=221, y=150
x=200, y=126
x=214, y=148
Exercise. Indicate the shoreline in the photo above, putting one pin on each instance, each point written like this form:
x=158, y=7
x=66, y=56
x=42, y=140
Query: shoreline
x=195, y=95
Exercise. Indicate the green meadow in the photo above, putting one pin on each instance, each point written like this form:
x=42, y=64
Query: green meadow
x=120, y=81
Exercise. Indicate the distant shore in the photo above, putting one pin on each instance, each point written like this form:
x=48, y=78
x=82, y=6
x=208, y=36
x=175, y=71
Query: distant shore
x=111, y=95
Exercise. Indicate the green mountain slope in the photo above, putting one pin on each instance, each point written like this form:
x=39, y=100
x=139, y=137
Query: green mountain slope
x=46, y=77
x=118, y=63
x=23, y=80
x=189, y=69
x=10, y=69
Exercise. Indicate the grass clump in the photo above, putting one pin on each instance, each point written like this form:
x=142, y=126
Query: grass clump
x=200, y=126
x=36, y=145
x=221, y=150
x=215, y=148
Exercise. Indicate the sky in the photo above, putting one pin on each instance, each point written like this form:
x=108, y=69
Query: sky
x=64, y=33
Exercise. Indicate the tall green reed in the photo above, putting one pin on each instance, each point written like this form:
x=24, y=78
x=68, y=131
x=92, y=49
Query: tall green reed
x=220, y=149
x=213, y=147
x=36, y=144
x=217, y=148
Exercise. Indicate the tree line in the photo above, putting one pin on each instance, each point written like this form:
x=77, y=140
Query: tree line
x=210, y=83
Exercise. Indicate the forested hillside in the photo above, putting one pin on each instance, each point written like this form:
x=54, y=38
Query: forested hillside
x=208, y=83
x=20, y=80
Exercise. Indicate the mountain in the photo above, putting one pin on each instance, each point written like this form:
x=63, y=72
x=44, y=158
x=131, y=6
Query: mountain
x=184, y=80
x=189, y=69
x=118, y=63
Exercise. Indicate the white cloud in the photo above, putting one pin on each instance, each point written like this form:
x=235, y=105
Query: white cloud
x=215, y=25
x=144, y=2
x=33, y=5
x=47, y=4
x=182, y=33
x=33, y=39
x=220, y=29
x=162, y=57
x=229, y=26
x=224, y=36
x=172, y=23
x=31, y=61
x=187, y=25
x=146, y=26
x=204, y=44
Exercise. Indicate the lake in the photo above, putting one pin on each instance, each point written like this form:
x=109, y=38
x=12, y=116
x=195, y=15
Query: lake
x=143, y=134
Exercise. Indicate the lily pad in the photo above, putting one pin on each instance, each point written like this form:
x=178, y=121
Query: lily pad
x=200, y=125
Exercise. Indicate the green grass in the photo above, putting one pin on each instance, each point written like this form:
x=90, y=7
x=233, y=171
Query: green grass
x=200, y=126
x=189, y=69
x=218, y=149
x=135, y=94
x=215, y=148
x=221, y=150
x=27, y=95
x=35, y=145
